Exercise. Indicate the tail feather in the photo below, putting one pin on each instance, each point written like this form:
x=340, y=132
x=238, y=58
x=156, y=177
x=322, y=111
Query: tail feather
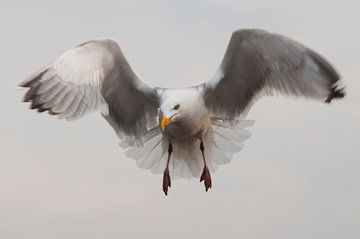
x=222, y=141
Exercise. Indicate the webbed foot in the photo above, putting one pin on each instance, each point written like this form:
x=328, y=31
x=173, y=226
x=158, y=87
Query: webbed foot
x=166, y=181
x=206, y=177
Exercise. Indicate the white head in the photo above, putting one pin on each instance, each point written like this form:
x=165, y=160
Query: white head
x=180, y=104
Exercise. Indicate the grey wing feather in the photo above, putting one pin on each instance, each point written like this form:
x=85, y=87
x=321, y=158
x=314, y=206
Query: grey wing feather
x=95, y=76
x=258, y=63
x=133, y=105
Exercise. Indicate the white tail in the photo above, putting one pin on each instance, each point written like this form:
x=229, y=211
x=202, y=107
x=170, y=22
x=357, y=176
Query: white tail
x=221, y=142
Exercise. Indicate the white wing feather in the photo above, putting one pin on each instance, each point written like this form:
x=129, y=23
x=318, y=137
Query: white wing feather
x=71, y=86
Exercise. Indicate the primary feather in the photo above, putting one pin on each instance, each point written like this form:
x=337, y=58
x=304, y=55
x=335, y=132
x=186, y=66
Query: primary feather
x=259, y=63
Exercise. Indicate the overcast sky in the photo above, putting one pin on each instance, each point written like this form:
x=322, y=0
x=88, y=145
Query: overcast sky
x=297, y=177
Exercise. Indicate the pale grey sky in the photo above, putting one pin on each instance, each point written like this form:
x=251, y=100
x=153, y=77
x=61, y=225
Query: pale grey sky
x=297, y=177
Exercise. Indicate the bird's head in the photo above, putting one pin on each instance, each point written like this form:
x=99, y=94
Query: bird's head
x=171, y=113
x=178, y=105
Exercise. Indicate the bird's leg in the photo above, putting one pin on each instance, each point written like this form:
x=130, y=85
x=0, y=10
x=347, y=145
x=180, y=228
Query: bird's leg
x=166, y=177
x=205, y=176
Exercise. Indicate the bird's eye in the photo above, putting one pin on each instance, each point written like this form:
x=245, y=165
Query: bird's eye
x=176, y=107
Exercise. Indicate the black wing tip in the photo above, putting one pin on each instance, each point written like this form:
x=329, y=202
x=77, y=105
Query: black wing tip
x=40, y=108
x=26, y=83
x=30, y=80
x=335, y=93
x=333, y=76
x=31, y=93
x=33, y=83
x=32, y=97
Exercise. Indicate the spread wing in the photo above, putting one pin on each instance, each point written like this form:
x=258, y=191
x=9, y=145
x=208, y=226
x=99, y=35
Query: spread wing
x=95, y=76
x=259, y=63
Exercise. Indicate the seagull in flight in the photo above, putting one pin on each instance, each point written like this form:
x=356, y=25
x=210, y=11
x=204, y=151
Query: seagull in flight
x=187, y=132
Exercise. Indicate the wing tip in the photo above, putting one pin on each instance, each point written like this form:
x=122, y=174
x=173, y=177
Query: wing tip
x=30, y=80
x=33, y=83
x=40, y=108
x=335, y=93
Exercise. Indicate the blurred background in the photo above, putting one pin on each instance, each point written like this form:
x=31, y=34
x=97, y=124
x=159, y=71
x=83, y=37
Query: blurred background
x=297, y=177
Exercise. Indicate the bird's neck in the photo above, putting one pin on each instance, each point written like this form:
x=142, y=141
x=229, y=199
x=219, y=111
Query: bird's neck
x=189, y=127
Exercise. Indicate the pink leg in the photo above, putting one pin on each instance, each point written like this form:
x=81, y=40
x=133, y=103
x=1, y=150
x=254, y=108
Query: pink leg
x=166, y=177
x=205, y=176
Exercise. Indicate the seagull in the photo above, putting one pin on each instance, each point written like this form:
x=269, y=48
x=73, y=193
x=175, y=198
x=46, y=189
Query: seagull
x=186, y=132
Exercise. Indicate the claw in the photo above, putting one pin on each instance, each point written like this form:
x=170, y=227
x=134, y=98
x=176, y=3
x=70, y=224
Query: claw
x=206, y=177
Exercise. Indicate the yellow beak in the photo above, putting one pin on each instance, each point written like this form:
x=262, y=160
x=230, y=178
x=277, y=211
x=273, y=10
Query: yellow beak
x=165, y=122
